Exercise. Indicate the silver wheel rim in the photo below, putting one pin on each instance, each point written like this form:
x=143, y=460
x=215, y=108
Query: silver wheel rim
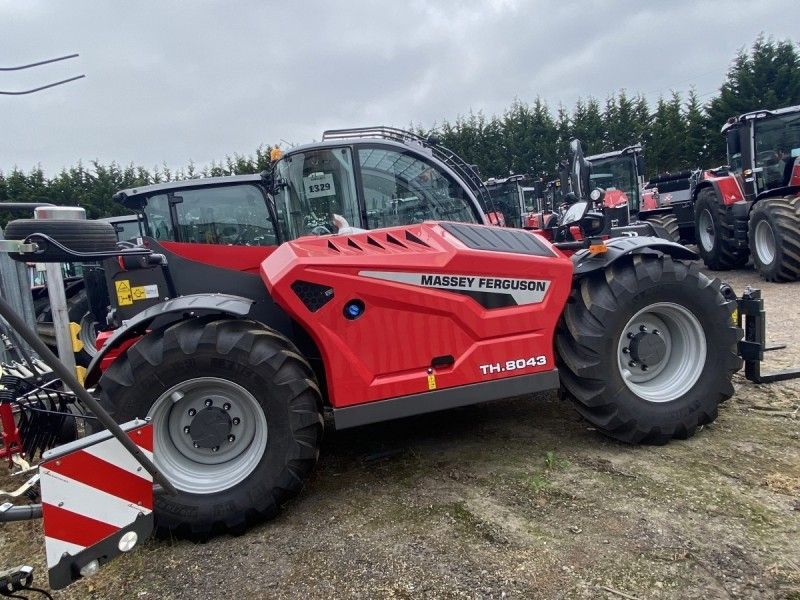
x=705, y=226
x=88, y=333
x=765, y=243
x=219, y=461
x=671, y=339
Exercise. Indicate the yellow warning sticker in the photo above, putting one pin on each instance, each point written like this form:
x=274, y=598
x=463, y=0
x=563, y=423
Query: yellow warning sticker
x=735, y=316
x=123, y=287
x=431, y=381
x=143, y=292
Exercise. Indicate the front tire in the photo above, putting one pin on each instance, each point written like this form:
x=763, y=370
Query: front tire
x=714, y=232
x=647, y=349
x=669, y=223
x=774, y=237
x=236, y=418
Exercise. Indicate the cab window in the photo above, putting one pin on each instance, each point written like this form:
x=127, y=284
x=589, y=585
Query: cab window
x=126, y=230
x=315, y=193
x=402, y=189
x=157, y=221
x=226, y=215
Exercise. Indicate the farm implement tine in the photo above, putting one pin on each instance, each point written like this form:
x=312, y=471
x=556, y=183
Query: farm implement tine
x=753, y=317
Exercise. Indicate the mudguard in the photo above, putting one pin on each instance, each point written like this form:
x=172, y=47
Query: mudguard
x=787, y=190
x=586, y=262
x=225, y=304
x=726, y=187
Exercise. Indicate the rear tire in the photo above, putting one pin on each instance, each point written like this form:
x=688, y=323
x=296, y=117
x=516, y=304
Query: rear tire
x=774, y=238
x=689, y=341
x=236, y=415
x=669, y=223
x=714, y=232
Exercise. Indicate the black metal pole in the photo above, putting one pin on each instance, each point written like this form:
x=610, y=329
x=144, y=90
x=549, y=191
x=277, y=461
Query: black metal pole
x=41, y=62
x=72, y=383
x=21, y=513
x=42, y=87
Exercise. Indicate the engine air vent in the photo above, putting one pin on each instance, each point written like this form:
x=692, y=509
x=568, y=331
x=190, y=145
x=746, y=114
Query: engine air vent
x=313, y=295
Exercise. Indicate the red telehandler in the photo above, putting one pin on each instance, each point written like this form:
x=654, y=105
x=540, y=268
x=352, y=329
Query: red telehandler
x=244, y=317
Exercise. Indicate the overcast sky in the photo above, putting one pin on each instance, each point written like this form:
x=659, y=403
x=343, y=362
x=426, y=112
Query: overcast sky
x=173, y=81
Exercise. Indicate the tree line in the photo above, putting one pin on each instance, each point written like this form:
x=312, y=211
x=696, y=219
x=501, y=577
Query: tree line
x=679, y=132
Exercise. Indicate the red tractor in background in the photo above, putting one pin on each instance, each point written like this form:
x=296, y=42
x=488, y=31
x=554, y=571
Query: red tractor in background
x=752, y=206
x=627, y=199
x=519, y=197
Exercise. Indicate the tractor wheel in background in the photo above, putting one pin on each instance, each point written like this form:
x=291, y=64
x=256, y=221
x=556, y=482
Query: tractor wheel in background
x=78, y=307
x=669, y=223
x=77, y=235
x=647, y=349
x=714, y=230
x=774, y=238
x=79, y=313
x=236, y=414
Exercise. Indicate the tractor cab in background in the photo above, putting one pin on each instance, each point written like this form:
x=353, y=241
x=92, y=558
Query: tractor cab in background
x=620, y=174
x=518, y=197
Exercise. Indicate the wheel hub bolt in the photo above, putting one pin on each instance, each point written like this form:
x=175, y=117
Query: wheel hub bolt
x=236, y=420
x=231, y=438
x=226, y=406
x=186, y=429
x=630, y=335
x=633, y=363
x=196, y=445
x=625, y=350
x=215, y=449
x=192, y=412
x=642, y=328
x=656, y=332
x=644, y=367
x=208, y=402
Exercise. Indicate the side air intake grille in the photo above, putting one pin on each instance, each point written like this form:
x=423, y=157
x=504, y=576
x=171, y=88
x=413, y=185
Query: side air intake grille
x=498, y=239
x=313, y=295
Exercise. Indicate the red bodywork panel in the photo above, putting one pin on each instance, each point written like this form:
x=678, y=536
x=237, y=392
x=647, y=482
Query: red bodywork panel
x=730, y=191
x=236, y=258
x=386, y=352
x=795, y=178
x=649, y=199
x=116, y=351
x=614, y=198
x=532, y=221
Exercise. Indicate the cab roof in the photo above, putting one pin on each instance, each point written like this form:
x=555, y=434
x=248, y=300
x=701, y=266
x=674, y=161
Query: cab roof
x=128, y=197
x=635, y=149
x=759, y=114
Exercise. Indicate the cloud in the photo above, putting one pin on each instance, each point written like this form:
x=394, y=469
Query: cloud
x=169, y=82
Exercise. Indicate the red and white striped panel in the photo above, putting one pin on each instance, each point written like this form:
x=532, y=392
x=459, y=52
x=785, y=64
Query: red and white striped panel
x=93, y=492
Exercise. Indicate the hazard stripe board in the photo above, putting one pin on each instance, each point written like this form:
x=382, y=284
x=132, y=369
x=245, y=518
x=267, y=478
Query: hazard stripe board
x=91, y=494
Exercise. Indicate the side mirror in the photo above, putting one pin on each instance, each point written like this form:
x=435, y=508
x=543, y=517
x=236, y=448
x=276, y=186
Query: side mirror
x=734, y=142
x=575, y=213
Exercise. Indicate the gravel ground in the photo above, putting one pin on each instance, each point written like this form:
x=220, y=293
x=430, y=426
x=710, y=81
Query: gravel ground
x=513, y=499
